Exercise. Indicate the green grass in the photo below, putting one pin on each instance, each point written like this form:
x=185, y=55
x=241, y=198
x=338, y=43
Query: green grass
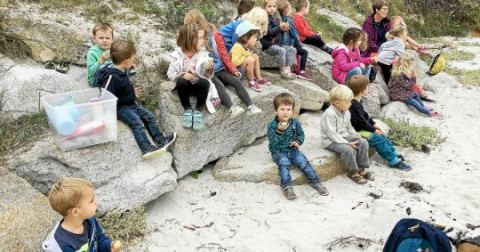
x=405, y=134
x=456, y=55
x=125, y=226
x=466, y=77
x=322, y=23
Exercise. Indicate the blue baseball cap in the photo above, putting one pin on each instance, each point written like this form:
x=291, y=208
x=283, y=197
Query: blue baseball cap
x=244, y=27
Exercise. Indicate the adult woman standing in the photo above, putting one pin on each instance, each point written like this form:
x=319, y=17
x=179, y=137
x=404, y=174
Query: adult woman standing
x=376, y=26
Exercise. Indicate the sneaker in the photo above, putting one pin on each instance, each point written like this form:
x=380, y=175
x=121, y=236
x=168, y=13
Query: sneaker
x=402, y=166
x=253, y=110
x=151, y=152
x=187, y=121
x=401, y=157
x=289, y=193
x=435, y=115
x=63, y=67
x=264, y=81
x=320, y=189
x=253, y=85
x=295, y=70
x=49, y=65
x=167, y=141
x=197, y=120
x=236, y=110
x=305, y=76
x=288, y=75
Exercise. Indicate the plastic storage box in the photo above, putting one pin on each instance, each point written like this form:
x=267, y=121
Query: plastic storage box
x=81, y=118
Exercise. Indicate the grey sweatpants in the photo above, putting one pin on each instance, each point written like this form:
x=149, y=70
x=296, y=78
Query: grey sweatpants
x=353, y=159
x=224, y=78
x=287, y=54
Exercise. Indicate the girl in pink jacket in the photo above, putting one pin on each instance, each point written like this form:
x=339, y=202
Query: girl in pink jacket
x=347, y=61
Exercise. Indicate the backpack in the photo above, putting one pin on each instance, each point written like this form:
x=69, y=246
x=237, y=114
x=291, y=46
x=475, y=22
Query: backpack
x=413, y=235
x=438, y=64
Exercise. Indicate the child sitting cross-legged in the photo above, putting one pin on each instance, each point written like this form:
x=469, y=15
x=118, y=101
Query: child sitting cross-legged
x=285, y=135
x=368, y=129
x=79, y=230
x=339, y=136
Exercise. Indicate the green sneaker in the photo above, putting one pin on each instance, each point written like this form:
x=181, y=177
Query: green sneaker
x=197, y=120
x=187, y=121
x=63, y=67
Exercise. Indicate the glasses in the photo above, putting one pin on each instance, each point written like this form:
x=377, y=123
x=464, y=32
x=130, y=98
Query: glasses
x=385, y=8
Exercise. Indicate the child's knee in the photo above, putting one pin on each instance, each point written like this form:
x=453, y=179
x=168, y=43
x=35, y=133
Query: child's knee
x=251, y=59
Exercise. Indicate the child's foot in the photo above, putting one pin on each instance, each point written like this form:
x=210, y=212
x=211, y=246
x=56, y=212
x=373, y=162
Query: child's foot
x=167, y=141
x=289, y=193
x=264, y=81
x=428, y=107
x=253, y=85
x=187, y=121
x=402, y=166
x=435, y=115
x=236, y=110
x=320, y=189
x=367, y=175
x=288, y=75
x=197, y=120
x=151, y=152
x=305, y=76
x=253, y=110
x=425, y=98
x=401, y=157
x=357, y=178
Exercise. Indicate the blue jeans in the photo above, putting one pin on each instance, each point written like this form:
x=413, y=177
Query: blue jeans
x=417, y=103
x=285, y=159
x=384, y=147
x=136, y=118
x=359, y=71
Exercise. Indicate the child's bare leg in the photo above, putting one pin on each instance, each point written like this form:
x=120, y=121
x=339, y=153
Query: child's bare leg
x=258, y=75
x=249, y=67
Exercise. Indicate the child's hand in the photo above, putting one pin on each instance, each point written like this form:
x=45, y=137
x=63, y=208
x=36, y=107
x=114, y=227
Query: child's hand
x=373, y=59
x=138, y=92
x=319, y=34
x=105, y=56
x=379, y=131
x=294, y=145
x=209, y=65
x=413, y=75
x=282, y=126
x=353, y=144
x=116, y=246
x=188, y=76
x=362, y=66
x=284, y=26
x=238, y=74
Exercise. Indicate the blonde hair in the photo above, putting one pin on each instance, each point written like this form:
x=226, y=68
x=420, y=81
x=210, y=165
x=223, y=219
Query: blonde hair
x=102, y=27
x=196, y=17
x=282, y=6
x=398, y=19
x=396, y=31
x=364, y=44
x=405, y=65
x=340, y=93
x=67, y=193
x=258, y=17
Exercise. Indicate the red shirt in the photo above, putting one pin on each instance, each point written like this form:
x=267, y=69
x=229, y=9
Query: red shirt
x=304, y=30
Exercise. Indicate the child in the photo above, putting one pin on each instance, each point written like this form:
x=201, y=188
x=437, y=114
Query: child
x=243, y=57
x=272, y=42
x=190, y=70
x=368, y=129
x=285, y=135
x=347, y=61
x=98, y=55
x=244, y=6
x=339, y=136
x=225, y=73
x=305, y=32
x=136, y=117
x=393, y=48
x=410, y=43
x=78, y=230
x=401, y=86
x=291, y=38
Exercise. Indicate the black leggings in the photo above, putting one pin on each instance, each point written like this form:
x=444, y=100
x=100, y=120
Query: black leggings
x=303, y=57
x=200, y=90
x=224, y=78
x=386, y=71
x=315, y=40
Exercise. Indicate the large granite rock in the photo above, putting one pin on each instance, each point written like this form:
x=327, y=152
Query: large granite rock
x=254, y=163
x=222, y=135
x=338, y=19
x=120, y=176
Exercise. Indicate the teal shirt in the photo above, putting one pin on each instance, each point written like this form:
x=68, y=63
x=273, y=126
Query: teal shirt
x=281, y=142
x=95, y=53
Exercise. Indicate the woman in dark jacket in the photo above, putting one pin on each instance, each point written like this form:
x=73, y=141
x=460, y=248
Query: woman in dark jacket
x=376, y=26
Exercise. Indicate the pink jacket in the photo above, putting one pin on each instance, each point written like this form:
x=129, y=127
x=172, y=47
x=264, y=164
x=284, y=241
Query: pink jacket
x=345, y=60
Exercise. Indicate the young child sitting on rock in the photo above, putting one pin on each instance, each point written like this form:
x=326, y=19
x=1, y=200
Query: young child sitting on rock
x=98, y=55
x=339, y=136
x=370, y=130
x=285, y=135
x=79, y=230
x=136, y=117
x=401, y=86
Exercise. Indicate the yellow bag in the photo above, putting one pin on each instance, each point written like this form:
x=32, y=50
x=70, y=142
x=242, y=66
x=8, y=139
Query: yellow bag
x=438, y=64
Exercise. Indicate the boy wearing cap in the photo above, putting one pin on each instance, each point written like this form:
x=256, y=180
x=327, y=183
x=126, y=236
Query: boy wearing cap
x=244, y=59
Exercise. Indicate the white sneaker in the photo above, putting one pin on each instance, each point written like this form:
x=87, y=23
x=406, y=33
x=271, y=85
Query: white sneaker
x=253, y=110
x=236, y=110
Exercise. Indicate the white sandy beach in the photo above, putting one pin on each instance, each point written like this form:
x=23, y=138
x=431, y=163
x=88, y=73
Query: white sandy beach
x=257, y=216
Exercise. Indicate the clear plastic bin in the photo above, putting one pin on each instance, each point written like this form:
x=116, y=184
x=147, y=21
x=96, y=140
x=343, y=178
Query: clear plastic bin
x=81, y=118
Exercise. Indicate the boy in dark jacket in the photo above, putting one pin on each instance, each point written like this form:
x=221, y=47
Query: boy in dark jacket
x=135, y=116
x=368, y=129
x=285, y=135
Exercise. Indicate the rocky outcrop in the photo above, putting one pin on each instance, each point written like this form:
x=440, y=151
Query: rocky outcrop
x=222, y=135
x=338, y=19
x=112, y=168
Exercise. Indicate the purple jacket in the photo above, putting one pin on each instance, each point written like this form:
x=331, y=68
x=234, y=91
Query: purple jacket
x=400, y=87
x=345, y=60
x=369, y=27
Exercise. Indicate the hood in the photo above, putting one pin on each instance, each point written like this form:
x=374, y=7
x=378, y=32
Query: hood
x=338, y=49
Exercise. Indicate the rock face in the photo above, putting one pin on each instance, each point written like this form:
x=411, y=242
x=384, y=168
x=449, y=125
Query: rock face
x=338, y=19
x=112, y=168
x=255, y=164
x=222, y=134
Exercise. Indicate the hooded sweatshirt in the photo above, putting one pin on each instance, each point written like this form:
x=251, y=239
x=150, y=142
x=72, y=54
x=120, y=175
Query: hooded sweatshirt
x=391, y=49
x=95, y=53
x=119, y=86
x=345, y=60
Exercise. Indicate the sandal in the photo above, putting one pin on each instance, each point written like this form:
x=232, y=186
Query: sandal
x=198, y=120
x=49, y=65
x=367, y=175
x=357, y=178
x=187, y=121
